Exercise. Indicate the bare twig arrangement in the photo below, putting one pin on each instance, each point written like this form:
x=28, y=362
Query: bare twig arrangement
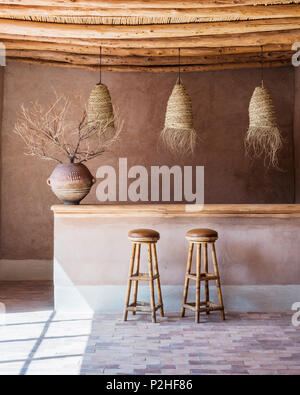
x=48, y=134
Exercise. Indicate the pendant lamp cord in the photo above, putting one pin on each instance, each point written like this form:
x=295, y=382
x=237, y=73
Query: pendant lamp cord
x=262, y=65
x=100, y=58
x=179, y=78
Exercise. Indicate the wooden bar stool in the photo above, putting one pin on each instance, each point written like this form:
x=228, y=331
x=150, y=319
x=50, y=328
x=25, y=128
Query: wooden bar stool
x=150, y=238
x=201, y=237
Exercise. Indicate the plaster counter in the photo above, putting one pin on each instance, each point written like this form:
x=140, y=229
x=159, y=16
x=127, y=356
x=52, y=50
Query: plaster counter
x=258, y=252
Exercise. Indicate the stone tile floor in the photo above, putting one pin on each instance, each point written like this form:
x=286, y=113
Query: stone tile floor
x=36, y=340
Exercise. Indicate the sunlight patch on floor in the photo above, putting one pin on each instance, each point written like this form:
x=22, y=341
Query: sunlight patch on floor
x=43, y=342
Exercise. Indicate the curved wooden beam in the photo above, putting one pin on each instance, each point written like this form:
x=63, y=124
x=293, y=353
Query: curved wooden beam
x=42, y=30
x=161, y=69
x=287, y=37
x=93, y=60
x=129, y=15
x=154, y=52
x=140, y=4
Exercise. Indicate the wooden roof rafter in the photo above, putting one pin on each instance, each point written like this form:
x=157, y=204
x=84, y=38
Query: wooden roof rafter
x=141, y=35
x=148, y=16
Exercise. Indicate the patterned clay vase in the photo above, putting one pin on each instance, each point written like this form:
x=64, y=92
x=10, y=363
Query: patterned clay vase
x=71, y=182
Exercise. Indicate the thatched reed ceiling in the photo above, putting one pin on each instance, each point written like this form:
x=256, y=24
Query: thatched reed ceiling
x=142, y=35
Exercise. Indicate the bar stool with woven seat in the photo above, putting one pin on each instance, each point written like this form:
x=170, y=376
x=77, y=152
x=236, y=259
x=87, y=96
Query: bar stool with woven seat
x=202, y=237
x=148, y=237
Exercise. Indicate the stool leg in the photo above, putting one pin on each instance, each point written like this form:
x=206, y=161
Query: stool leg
x=186, y=283
x=151, y=284
x=129, y=280
x=198, y=273
x=206, y=272
x=136, y=283
x=161, y=309
x=215, y=263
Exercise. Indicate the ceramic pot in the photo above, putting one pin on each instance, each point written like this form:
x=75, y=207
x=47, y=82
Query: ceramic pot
x=71, y=182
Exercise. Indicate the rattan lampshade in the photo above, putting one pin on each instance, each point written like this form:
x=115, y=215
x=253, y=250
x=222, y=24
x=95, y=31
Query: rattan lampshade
x=100, y=106
x=178, y=134
x=100, y=109
x=263, y=136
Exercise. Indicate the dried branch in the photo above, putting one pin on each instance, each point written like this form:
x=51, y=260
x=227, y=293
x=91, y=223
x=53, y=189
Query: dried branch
x=48, y=133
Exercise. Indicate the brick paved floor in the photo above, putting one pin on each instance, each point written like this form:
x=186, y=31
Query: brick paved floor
x=35, y=340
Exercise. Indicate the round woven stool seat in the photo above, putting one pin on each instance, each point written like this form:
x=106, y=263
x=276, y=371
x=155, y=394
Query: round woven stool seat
x=202, y=240
x=143, y=235
x=202, y=235
x=142, y=238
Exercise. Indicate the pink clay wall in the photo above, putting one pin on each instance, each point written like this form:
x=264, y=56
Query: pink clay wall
x=220, y=104
x=251, y=251
x=297, y=133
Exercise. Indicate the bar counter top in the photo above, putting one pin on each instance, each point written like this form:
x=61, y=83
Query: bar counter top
x=179, y=210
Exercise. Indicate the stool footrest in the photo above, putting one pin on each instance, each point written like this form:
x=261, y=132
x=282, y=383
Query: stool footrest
x=140, y=306
x=203, y=276
x=143, y=277
x=209, y=306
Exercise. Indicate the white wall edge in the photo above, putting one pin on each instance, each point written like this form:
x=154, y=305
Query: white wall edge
x=237, y=298
x=111, y=298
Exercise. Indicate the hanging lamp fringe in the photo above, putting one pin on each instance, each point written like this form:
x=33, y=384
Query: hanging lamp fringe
x=263, y=138
x=178, y=135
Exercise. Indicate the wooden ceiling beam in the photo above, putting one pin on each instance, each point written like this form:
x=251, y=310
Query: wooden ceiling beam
x=233, y=12
x=215, y=34
x=142, y=32
x=93, y=60
x=287, y=37
x=129, y=4
x=160, y=69
x=155, y=52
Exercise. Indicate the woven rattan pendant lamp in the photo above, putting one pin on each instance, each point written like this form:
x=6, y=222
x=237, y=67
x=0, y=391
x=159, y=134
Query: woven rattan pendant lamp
x=263, y=138
x=100, y=107
x=179, y=135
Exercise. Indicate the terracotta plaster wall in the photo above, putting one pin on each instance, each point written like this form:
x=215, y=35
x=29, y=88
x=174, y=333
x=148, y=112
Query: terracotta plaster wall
x=297, y=133
x=1, y=108
x=248, y=249
x=220, y=105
